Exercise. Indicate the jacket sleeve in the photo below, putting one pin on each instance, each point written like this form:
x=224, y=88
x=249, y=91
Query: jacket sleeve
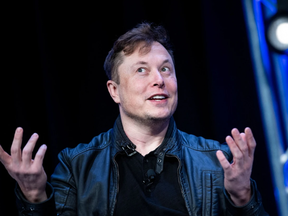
x=61, y=192
x=46, y=208
x=253, y=208
x=64, y=185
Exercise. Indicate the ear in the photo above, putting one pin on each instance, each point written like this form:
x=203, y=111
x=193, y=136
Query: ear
x=113, y=90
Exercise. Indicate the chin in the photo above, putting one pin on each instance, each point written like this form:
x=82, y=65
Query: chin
x=150, y=117
x=158, y=118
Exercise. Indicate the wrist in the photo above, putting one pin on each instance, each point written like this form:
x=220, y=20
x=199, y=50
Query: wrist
x=35, y=196
x=241, y=198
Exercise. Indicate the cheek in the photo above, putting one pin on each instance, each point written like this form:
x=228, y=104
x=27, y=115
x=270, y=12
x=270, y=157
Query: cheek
x=136, y=88
x=172, y=86
x=131, y=93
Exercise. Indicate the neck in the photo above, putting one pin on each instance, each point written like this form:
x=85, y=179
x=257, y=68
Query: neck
x=146, y=135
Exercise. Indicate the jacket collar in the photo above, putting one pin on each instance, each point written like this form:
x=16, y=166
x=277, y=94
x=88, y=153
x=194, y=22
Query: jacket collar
x=122, y=142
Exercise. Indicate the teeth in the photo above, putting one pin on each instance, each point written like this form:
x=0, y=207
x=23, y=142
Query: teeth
x=158, y=97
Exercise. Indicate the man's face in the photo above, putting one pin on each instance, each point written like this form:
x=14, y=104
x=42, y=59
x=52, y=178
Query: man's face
x=148, y=86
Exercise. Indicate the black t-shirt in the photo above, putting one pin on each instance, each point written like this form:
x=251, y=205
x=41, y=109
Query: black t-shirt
x=143, y=192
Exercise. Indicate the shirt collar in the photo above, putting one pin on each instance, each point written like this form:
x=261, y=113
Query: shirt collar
x=124, y=143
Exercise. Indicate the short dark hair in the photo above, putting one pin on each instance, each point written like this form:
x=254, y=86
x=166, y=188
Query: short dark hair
x=128, y=42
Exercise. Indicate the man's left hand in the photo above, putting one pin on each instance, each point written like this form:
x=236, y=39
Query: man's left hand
x=237, y=174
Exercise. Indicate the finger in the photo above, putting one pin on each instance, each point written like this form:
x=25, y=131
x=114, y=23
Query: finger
x=5, y=158
x=243, y=136
x=28, y=149
x=245, y=147
x=234, y=148
x=240, y=141
x=250, y=141
x=16, y=145
x=38, y=161
x=223, y=161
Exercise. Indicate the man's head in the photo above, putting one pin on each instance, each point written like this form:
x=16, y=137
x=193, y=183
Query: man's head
x=143, y=81
x=126, y=44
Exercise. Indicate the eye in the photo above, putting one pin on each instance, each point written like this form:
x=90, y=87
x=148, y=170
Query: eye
x=141, y=70
x=164, y=69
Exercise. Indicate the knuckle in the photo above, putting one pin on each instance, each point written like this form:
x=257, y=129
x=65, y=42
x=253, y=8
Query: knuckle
x=24, y=174
x=239, y=156
x=253, y=144
x=14, y=150
x=26, y=151
x=226, y=166
x=40, y=156
x=16, y=172
x=33, y=173
x=17, y=137
x=245, y=148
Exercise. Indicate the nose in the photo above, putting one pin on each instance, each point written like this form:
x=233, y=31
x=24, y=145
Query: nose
x=158, y=79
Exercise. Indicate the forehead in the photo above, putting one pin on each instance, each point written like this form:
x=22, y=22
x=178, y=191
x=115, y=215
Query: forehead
x=155, y=52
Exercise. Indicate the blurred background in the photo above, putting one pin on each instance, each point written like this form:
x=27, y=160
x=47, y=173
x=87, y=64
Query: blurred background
x=53, y=82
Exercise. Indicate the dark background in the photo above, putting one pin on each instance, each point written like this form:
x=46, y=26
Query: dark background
x=53, y=82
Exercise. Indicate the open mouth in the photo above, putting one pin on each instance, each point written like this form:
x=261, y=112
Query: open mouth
x=158, y=97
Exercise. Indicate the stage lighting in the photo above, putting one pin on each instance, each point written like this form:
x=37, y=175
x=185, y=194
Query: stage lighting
x=284, y=161
x=277, y=32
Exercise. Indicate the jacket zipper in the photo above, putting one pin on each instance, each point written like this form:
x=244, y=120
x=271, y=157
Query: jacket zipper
x=117, y=185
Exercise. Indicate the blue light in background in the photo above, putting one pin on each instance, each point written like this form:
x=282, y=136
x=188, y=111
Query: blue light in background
x=271, y=73
x=285, y=170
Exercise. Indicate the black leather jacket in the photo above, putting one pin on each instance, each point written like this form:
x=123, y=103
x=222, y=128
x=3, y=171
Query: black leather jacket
x=85, y=182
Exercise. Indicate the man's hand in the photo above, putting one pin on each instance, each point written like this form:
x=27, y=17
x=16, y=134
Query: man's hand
x=28, y=173
x=237, y=174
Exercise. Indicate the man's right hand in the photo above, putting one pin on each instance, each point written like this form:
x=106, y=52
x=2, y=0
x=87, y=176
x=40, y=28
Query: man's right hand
x=28, y=173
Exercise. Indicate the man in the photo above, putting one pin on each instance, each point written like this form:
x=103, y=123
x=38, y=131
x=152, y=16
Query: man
x=144, y=165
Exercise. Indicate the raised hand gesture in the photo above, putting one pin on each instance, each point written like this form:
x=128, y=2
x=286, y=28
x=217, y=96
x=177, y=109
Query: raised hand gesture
x=28, y=173
x=237, y=174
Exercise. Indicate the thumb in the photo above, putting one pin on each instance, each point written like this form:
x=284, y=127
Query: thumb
x=223, y=161
x=4, y=157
